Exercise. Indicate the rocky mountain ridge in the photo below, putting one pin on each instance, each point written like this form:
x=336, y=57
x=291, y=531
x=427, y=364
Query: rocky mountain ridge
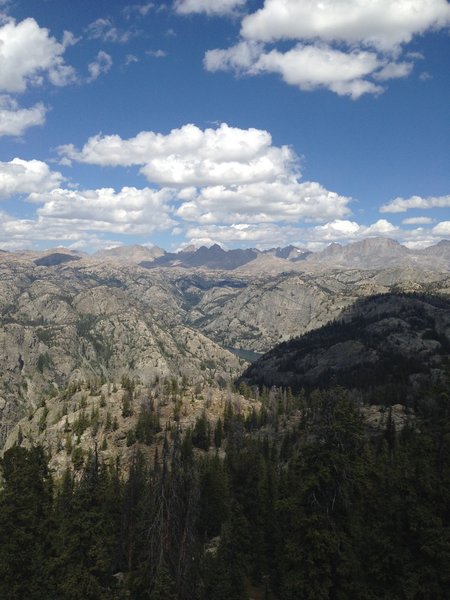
x=369, y=253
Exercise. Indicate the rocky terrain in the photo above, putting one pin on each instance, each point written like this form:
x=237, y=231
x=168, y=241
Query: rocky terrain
x=119, y=419
x=388, y=348
x=74, y=322
x=65, y=316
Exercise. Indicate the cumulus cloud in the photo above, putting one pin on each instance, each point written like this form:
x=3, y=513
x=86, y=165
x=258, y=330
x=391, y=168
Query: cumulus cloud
x=28, y=54
x=264, y=202
x=222, y=176
x=344, y=230
x=131, y=210
x=382, y=24
x=191, y=156
x=239, y=58
x=310, y=66
x=14, y=121
x=399, y=205
x=209, y=7
x=348, y=47
x=18, y=234
x=101, y=65
x=26, y=176
x=442, y=229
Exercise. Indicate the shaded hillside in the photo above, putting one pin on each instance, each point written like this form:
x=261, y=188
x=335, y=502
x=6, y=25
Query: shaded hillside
x=57, y=258
x=386, y=346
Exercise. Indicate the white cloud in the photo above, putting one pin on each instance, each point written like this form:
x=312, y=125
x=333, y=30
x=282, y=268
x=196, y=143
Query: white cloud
x=394, y=71
x=418, y=221
x=191, y=156
x=336, y=230
x=264, y=202
x=15, y=121
x=16, y=234
x=221, y=176
x=101, y=65
x=131, y=210
x=26, y=176
x=209, y=7
x=381, y=227
x=382, y=24
x=310, y=67
x=399, y=205
x=442, y=229
x=346, y=46
x=28, y=53
x=239, y=58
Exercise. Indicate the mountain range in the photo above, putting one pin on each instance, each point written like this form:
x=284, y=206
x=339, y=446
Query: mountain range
x=370, y=253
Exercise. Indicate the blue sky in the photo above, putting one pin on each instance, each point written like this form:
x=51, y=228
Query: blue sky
x=247, y=123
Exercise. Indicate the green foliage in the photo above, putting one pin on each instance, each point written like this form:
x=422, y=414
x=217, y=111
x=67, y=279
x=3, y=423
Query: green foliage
x=316, y=510
x=127, y=403
x=201, y=434
x=44, y=361
x=25, y=532
x=164, y=588
x=214, y=497
x=77, y=458
x=81, y=423
x=218, y=434
x=147, y=425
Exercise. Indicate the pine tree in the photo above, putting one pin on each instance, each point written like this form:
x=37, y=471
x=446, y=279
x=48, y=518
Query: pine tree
x=25, y=525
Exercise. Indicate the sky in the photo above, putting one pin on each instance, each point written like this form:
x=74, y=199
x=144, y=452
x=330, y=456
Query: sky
x=248, y=123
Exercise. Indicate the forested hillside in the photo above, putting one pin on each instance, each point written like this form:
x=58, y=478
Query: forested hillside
x=296, y=501
x=386, y=348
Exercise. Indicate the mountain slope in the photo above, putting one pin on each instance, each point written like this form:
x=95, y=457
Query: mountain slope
x=388, y=344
